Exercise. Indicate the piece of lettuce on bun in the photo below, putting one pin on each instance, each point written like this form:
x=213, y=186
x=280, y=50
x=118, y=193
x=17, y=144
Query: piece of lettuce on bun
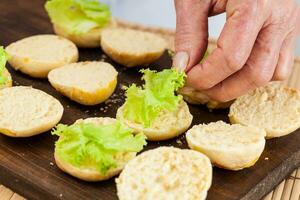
x=155, y=109
x=81, y=21
x=95, y=149
x=5, y=77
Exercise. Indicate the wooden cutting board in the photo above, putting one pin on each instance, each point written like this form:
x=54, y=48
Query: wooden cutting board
x=27, y=165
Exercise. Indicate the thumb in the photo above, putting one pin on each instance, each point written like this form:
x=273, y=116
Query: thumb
x=191, y=32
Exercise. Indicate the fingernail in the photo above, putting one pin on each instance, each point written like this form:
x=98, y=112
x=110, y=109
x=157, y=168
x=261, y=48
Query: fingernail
x=180, y=61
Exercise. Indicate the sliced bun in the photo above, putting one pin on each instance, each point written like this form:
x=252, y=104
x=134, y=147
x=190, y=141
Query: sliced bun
x=88, y=83
x=166, y=173
x=26, y=111
x=90, y=39
x=91, y=174
x=37, y=55
x=9, y=80
x=195, y=97
x=168, y=125
x=228, y=146
x=131, y=47
x=274, y=108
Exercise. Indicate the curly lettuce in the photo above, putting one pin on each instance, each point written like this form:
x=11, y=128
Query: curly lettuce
x=89, y=145
x=3, y=60
x=78, y=16
x=144, y=104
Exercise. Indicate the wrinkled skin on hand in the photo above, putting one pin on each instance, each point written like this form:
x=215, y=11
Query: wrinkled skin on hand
x=256, y=44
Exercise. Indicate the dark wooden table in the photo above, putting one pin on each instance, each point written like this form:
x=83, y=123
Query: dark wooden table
x=27, y=165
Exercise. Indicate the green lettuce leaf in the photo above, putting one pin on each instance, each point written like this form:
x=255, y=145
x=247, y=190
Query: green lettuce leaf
x=3, y=60
x=144, y=104
x=78, y=16
x=90, y=145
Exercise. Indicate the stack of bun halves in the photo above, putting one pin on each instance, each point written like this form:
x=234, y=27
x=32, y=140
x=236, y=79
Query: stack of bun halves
x=99, y=148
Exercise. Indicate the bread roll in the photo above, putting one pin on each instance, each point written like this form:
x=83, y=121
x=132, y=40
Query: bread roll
x=166, y=126
x=195, y=97
x=88, y=83
x=39, y=54
x=228, y=146
x=166, y=173
x=92, y=174
x=131, y=47
x=274, y=108
x=25, y=111
x=90, y=39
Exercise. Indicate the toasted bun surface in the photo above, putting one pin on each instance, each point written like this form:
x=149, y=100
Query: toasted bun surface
x=131, y=47
x=37, y=55
x=274, y=108
x=193, y=96
x=9, y=80
x=91, y=174
x=228, y=146
x=166, y=173
x=168, y=125
x=90, y=39
x=25, y=111
x=88, y=83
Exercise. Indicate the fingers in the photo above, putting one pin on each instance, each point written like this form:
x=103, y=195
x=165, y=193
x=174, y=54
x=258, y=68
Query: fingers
x=244, y=21
x=298, y=20
x=258, y=70
x=217, y=7
x=191, y=32
x=286, y=57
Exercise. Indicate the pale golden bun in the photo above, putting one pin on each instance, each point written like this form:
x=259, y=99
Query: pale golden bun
x=196, y=97
x=168, y=125
x=92, y=174
x=132, y=47
x=39, y=54
x=166, y=173
x=8, y=83
x=274, y=108
x=232, y=147
x=91, y=39
x=26, y=111
x=88, y=83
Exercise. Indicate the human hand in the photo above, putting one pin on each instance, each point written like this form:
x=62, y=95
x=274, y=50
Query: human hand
x=256, y=44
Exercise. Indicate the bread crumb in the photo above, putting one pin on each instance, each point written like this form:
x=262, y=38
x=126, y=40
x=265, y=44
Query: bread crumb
x=171, y=53
x=103, y=56
x=124, y=87
x=178, y=141
x=266, y=158
x=51, y=163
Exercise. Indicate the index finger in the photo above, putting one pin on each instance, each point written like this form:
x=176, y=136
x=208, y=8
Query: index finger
x=244, y=21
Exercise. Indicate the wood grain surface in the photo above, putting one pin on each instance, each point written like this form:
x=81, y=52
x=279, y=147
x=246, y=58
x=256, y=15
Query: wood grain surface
x=27, y=165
